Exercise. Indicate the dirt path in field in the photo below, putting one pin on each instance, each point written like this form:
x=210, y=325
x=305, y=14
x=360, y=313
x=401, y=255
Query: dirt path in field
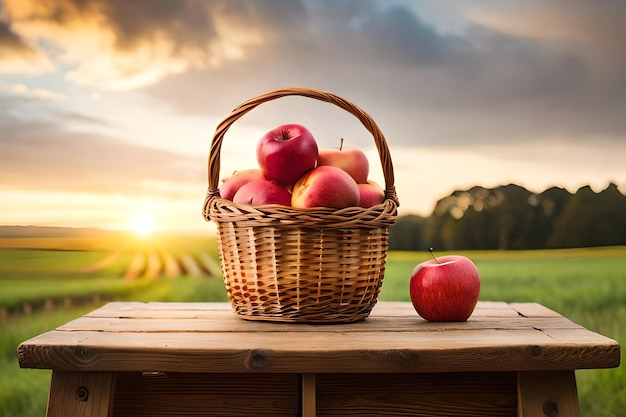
x=154, y=260
x=102, y=263
x=171, y=267
x=136, y=266
x=210, y=265
x=154, y=264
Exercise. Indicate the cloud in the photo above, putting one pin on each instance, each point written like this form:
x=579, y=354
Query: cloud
x=425, y=88
x=10, y=41
x=43, y=155
x=518, y=71
x=17, y=55
x=36, y=93
x=126, y=44
x=592, y=31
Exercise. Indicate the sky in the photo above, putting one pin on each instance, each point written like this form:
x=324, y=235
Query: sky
x=108, y=107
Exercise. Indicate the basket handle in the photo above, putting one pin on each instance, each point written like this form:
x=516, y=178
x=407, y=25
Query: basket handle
x=245, y=107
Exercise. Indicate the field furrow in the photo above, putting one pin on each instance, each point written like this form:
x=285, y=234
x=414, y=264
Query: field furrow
x=171, y=267
x=136, y=267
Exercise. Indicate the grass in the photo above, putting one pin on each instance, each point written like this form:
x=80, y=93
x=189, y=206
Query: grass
x=35, y=272
x=45, y=262
x=586, y=285
x=23, y=392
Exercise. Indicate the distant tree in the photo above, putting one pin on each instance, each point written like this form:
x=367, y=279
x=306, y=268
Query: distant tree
x=408, y=233
x=512, y=217
x=545, y=209
x=481, y=218
x=590, y=219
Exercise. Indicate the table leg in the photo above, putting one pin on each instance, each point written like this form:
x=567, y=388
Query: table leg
x=308, y=395
x=81, y=394
x=547, y=394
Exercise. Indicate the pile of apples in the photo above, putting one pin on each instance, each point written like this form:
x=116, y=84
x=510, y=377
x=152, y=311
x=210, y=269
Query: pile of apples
x=294, y=172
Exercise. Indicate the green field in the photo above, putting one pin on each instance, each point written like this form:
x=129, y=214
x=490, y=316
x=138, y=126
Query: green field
x=45, y=284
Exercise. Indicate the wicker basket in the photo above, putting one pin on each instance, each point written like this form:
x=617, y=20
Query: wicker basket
x=301, y=265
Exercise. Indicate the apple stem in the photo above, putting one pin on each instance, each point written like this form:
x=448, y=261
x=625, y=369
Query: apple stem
x=432, y=254
x=340, y=144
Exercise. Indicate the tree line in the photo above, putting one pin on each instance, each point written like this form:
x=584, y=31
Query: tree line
x=512, y=217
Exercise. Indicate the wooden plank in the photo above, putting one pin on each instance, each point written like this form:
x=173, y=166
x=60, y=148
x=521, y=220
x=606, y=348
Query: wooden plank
x=80, y=394
x=452, y=394
x=575, y=343
x=548, y=393
x=534, y=310
x=308, y=396
x=375, y=324
x=146, y=394
x=575, y=335
x=486, y=309
x=191, y=310
x=396, y=316
x=162, y=309
x=481, y=349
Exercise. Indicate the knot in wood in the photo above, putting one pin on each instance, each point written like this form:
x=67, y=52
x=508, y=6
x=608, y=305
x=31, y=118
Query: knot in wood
x=550, y=408
x=258, y=358
x=536, y=351
x=81, y=352
x=82, y=355
x=82, y=394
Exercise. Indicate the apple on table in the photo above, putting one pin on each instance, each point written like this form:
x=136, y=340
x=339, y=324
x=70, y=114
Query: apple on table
x=445, y=288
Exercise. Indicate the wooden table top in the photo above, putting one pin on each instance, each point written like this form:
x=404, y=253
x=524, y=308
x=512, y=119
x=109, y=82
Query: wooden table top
x=209, y=337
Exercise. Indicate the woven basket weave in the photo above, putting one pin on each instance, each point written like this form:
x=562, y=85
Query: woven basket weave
x=301, y=265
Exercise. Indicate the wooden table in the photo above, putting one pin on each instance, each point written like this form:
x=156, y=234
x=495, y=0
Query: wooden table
x=199, y=359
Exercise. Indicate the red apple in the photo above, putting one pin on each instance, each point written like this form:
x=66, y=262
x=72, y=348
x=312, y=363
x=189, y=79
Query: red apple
x=351, y=160
x=325, y=186
x=233, y=183
x=371, y=194
x=445, y=288
x=259, y=192
x=286, y=152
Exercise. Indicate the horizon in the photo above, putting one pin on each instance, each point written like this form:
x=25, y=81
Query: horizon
x=141, y=232
x=107, y=110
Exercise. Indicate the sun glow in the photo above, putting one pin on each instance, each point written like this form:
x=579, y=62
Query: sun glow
x=142, y=224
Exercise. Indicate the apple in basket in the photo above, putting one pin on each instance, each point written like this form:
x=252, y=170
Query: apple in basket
x=351, y=160
x=325, y=186
x=445, y=288
x=262, y=191
x=371, y=194
x=285, y=153
x=233, y=183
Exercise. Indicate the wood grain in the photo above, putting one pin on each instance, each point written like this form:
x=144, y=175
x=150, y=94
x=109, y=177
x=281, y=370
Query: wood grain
x=450, y=394
x=208, y=337
x=205, y=395
x=80, y=394
x=171, y=359
x=548, y=394
x=309, y=395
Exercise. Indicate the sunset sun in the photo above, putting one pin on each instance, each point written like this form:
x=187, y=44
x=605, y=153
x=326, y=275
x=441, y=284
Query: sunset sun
x=142, y=224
